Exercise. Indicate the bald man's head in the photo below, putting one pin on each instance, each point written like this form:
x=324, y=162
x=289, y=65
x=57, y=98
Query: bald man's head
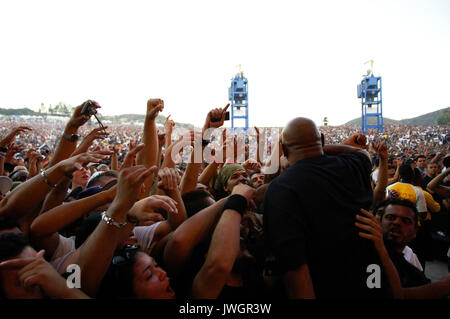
x=300, y=139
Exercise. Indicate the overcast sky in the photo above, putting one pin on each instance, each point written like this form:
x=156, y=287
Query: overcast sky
x=301, y=58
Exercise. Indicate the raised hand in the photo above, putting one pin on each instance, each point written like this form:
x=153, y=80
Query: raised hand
x=12, y=150
x=154, y=106
x=131, y=156
x=148, y=209
x=251, y=165
x=381, y=150
x=129, y=185
x=79, y=161
x=372, y=229
x=168, y=125
x=357, y=140
x=77, y=119
x=215, y=117
x=6, y=141
x=97, y=133
x=168, y=179
x=248, y=192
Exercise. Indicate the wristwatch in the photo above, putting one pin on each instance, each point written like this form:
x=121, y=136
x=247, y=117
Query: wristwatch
x=71, y=138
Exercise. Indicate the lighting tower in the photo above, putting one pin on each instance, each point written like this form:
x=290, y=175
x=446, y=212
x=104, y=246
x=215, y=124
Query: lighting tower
x=238, y=97
x=369, y=91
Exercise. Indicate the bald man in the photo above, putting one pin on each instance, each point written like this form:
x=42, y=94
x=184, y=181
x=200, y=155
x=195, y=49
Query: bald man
x=310, y=213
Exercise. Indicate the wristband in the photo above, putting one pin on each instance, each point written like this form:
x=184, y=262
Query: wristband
x=236, y=202
x=46, y=180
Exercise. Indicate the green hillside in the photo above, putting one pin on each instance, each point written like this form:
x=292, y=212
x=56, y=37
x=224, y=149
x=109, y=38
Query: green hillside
x=440, y=117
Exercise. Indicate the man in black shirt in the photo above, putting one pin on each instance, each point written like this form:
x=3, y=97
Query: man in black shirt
x=309, y=216
x=430, y=173
x=399, y=225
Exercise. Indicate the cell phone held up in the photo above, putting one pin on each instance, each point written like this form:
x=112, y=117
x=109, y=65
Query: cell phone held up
x=88, y=108
x=227, y=117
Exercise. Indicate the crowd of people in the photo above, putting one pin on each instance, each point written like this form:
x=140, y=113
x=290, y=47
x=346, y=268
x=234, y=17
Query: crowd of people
x=130, y=211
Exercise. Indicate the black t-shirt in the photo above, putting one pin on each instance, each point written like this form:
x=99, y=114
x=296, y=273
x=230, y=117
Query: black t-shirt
x=425, y=182
x=309, y=218
x=410, y=276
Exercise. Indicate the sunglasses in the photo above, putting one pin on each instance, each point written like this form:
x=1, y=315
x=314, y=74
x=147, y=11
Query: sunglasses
x=126, y=255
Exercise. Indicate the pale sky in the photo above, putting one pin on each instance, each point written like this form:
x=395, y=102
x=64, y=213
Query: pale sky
x=301, y=58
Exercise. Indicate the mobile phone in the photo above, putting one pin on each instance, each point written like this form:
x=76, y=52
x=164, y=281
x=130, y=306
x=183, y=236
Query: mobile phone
x=227, y=117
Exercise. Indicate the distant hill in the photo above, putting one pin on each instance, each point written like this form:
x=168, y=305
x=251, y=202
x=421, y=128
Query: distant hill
x=440, y=117
x=426, y=119
x=115, y=119
x=24, y=111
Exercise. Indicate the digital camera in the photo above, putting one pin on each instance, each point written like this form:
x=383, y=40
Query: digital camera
x=89, y=109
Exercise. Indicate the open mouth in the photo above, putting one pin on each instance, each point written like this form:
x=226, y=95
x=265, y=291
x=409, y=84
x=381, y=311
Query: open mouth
x=170, y=291
x=394, y=233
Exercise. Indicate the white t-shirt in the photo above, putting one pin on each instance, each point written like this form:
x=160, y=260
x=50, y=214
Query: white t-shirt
x=375, y=176
x=144, y=236
x=65, y=249
x=66, y=246
x=411, y=257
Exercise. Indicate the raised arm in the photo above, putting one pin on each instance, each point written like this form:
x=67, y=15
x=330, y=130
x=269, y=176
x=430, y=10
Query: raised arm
x=66, y=145
x=97, y=252
x=379, y=193
x=355, y=143
x=224, y=247
x=434, y=186
x=31, y=193
x=45, y=228
x=97, y=133
x=190, y=176
x=148, y=156
x=168, y=129
x=190, y=233
x=168, y=184
x=396, y=176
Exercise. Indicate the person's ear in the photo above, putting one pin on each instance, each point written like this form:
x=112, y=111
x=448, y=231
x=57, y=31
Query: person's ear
x=225, y=187
x=285, y=150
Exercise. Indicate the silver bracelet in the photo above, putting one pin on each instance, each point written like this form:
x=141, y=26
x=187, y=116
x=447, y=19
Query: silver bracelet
x=110, y=221
x=46, y=179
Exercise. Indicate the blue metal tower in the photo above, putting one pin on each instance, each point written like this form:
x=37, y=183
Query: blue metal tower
x=369, y=91
x=238, y=97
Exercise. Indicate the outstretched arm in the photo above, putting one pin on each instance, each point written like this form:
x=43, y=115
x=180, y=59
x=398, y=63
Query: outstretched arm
x=224, y=247
x=31, y=193
x=44, y=229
